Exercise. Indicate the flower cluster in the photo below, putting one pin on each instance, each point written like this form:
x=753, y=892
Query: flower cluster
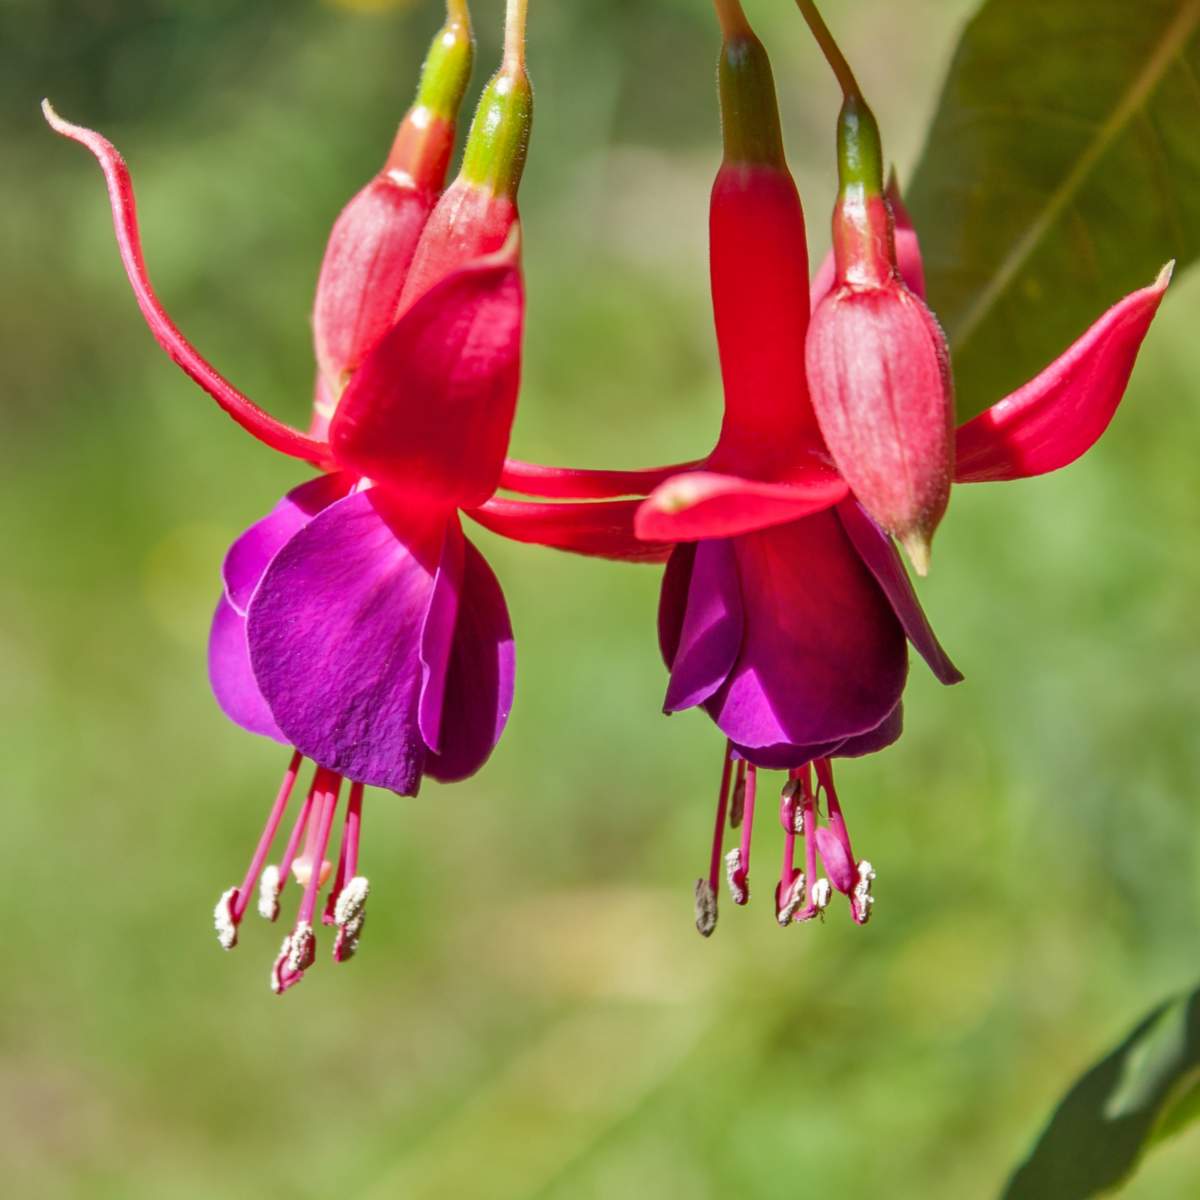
x=358, y=626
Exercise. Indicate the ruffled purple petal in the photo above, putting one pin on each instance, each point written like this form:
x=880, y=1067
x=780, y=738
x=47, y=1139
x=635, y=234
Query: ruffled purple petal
x=479, y=682
x=823, y=657
x=230, y=675
x=250, y=555
x=335, y=635
x=883, y=561
x=437, y=635
x=711, y=632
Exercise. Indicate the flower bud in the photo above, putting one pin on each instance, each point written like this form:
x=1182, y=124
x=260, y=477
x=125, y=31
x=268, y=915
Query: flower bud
x=478, y=210
x=878, y=365
x=373, y=240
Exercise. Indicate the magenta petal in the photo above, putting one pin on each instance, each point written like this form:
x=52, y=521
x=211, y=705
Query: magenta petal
x=672, y=599
x=250, y=555
x=710, y=504
x=783, y=756
x=479, y=682
x=883, y=561
x=823, y=656
x=230, y=675
x=335, y=635
x=879, y=738
x=711, y=632
x=437, y=635
x=1061, y=413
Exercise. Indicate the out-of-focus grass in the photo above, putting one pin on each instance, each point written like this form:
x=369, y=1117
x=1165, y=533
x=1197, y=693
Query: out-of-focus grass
x=532, y=1014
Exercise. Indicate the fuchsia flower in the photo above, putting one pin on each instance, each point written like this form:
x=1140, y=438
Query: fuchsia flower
x=357, y=623
x=785, y=607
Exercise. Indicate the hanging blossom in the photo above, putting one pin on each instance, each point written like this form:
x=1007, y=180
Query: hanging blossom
x=785, y=607
x=357, y=624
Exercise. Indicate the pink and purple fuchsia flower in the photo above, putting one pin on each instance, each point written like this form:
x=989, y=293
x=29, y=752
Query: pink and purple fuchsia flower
x=785, y=607
x=357, y=624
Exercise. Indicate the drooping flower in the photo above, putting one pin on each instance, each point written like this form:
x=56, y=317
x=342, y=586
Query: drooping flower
x=357, y=624
x=785, y=606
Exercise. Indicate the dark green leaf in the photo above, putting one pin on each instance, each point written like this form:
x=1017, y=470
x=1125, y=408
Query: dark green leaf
x=1062, y=170
x=1141, y=1092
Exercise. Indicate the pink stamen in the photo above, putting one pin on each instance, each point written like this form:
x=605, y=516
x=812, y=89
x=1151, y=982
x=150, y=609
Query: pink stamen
x=347, y=866
x=837, y=822
x=714, y=865
x=298, y=830
x=787, y=871
x=741, y=877
x=242, y=899
x=808, y=802
x=328, y=786
x=737, y=808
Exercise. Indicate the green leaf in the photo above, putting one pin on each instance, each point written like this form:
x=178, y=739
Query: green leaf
x=1140, y=1093
x=1062, y=170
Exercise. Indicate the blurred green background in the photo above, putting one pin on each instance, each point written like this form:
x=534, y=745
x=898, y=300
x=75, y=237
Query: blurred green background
x=532, y=1013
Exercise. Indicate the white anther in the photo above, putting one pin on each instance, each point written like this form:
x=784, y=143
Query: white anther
x=706, y=907
x=348, y=909
x=737, y=882
x=792, y=901
x=269, y=886
x=822, y=893
x=862, y=901
x=301, y=948
x=223, y=921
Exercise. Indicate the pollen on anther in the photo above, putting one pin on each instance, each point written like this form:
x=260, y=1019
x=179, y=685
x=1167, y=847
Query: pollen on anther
x=862, y=901
x=706, y=908
x=737, y=880
x=269, y=887
x=822, y=893
x=223, y=921
x=301, y=949
x=351, y=901
x=792, y=901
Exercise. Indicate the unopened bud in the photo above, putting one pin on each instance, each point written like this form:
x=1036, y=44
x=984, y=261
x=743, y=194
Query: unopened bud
x=878, y=364
x=373, y=240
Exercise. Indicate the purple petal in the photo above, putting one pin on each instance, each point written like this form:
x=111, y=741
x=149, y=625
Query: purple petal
x=783, y=756
x=437, y=635
x=711, y=633
x=879, y=738
x=479, y=683
x=335, y=635
x=250, y=555
x=230, y=675
x=823, y=656
x=672, y=600
x=883, y=561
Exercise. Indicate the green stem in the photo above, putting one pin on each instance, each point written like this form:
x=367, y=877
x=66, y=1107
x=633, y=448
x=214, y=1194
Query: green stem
x=829, y=48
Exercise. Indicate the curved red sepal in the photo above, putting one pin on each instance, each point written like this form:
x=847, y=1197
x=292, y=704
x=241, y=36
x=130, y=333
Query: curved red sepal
x=599, y=529
x=241, y=408
x=704, y=504
x=1059, y=415
x=430, y=409
x=582, y=483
